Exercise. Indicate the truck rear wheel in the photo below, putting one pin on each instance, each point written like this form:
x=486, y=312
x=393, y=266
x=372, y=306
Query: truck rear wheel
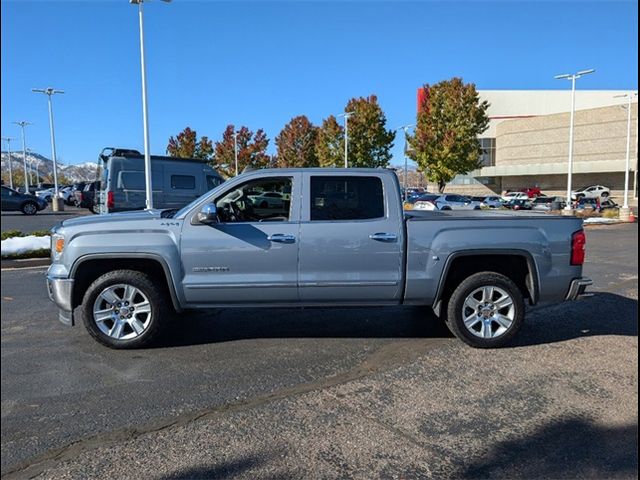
x=125, y=309
x=486, y=310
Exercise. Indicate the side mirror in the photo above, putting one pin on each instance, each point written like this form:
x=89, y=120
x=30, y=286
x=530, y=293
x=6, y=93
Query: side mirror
x=208, y=214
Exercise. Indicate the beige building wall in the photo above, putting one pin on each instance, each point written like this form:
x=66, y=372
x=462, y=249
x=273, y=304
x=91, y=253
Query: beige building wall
x=600, y=135
x=533, y=151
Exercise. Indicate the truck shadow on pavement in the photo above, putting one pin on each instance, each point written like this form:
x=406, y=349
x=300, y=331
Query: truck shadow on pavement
x=602, y=314
x=567, y=448
x=570, y=447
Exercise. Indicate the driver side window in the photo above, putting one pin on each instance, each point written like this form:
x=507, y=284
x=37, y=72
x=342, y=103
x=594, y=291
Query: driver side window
x=262, y=200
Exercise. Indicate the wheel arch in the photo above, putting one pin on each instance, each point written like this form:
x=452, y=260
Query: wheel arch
x=518, y=265
x=88, y=268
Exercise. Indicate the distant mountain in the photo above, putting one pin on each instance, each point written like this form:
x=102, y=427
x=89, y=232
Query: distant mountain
x=74, y=173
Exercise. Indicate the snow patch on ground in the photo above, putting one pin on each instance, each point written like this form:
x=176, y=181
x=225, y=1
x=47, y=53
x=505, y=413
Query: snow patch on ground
x=14, y=245
x=598, y=220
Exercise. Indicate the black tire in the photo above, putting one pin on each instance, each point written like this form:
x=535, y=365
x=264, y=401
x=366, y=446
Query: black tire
x=29, y=208
x=605, y=194
x=156, y=295
x=456, y=304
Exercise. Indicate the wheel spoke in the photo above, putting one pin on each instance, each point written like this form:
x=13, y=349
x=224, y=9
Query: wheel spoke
x=142, y=307
x=503, y=302
x=102, y=315
x=129, y=293
x=503, y=321
x=487, y=294
x=116, y=330
x=109, y=296
x=471, y=320
x=137, y=325
x=486, y=330
x=472, y=303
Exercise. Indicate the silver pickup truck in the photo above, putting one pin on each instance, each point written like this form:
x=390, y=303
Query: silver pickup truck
x=311, y=237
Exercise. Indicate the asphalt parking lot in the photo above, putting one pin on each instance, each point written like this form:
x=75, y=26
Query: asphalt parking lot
x=43, y=220
x=350, y=393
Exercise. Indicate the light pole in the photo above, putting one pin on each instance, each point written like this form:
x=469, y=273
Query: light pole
x=8, y=140
x=572, y=77
x=57, y=205
x=145, y=109
x=624, y=211
x=346, y=116
x=235, y=150
x=23, y=124
x=34, y=168
x=404, y=128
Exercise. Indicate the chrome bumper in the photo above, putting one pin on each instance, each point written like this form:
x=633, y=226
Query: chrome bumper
x=60, y=292
x=578, y=288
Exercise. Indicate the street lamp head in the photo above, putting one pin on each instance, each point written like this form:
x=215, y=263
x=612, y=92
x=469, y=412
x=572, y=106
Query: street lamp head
x=47, y=91
x=562, y=77
x=586, y=72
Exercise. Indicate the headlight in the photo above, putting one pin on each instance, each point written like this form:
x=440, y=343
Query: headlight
x=57, y=246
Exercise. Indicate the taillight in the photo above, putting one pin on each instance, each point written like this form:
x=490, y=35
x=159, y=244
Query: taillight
x=578, y=247
x=82, y=197
x=110, y=202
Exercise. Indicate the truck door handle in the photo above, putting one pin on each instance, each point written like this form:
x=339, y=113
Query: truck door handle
x=384, y=237
x=281, y=238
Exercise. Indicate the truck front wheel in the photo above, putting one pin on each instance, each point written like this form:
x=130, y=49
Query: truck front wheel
x=125, y=309
x=486, y=310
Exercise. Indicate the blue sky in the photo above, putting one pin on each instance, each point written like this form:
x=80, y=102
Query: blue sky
x=259, y=64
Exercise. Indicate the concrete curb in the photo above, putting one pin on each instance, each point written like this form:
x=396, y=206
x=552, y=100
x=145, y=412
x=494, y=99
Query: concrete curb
x=24, y=263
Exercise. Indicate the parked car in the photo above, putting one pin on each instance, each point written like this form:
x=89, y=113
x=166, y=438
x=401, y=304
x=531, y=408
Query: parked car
x=595, y=203
x=425, y=202
x=514, y=196
x=79, y=186
x=268, y=200
x=445, y=202
x=456, y=202
x=220, y=252
x=46, y=194
x=532, y=192
x=595, y=191
x=546, y=204
x=492, y=201
x=66, y=194
x=86, y=198
x=26, y=203
x=519, y=204
x=176, y=181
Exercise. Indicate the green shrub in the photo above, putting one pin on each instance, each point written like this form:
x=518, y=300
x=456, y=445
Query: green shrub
x=11, y=233
x=17, y=233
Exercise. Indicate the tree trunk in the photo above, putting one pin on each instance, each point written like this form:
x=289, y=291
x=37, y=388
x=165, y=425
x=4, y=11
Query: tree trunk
x=441, y=186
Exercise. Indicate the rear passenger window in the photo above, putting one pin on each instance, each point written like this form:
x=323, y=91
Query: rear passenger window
x=346, y=198
x=183, y=182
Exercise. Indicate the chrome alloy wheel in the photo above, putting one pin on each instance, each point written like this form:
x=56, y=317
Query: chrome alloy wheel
x=488, y=312
x=122, y=312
